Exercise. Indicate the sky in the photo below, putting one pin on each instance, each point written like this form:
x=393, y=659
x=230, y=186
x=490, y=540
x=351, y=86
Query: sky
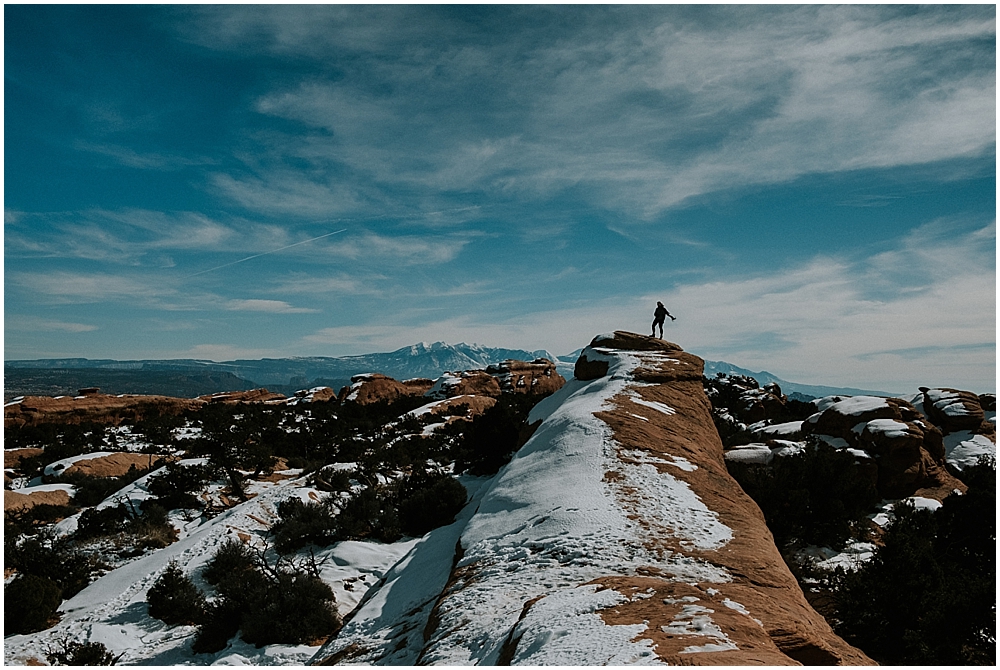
x=810, y=190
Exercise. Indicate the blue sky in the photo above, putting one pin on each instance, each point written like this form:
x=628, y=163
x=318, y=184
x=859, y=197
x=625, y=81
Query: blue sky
x=811, y=190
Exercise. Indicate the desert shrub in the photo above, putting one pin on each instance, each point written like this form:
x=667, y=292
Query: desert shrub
x=295, y=608
x=174, y=599
x=369, y=515
x=221, y=622
x=45, y=555
x=820, y=496
x=301, y=523
x=91, y=491
x=491, y=439
x=175, y=488
x=231, y=558
x=330, y=480
x=30, y=603
x=271, y=604
x=22, y=520
x=96, y=522
x=150, y=528
x=82, y=653
x=928, y=596
x=428, y=502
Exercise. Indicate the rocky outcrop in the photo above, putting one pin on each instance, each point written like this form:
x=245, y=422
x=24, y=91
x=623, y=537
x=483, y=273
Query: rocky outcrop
x=13, y=500
x=115, y=409
x=615, y=536
x=106, y=409
x=110, y=465
x=373, y=387
x=237, y=397
x=538, y=376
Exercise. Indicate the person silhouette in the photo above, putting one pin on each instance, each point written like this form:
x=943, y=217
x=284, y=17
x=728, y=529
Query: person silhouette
x=659, y=315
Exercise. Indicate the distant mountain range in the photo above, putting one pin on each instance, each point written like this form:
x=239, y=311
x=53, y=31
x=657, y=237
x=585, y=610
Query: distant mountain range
x=191, y=377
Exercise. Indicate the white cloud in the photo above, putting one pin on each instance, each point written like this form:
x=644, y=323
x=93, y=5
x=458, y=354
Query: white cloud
x=829, y=321
x=272, y=306
x=644, y=109
x=34, y=323
x=408, y=249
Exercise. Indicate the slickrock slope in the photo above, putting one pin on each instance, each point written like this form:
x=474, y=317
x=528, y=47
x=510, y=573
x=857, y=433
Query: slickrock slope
x=615, y=536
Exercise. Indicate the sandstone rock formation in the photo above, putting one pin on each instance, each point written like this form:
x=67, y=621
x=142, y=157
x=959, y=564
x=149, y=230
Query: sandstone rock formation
x=107, y=409
x=905, y=442
x=469, y=382
x=615, y=536
x=373, y=387
x=538, y=376
x=235, y=397
x=14, y=500
x=109, y=465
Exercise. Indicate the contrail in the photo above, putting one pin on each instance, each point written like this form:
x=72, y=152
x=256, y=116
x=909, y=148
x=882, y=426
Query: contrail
x=272, y=251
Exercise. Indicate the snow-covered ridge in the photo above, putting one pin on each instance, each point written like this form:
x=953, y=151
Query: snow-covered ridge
x=580, y=527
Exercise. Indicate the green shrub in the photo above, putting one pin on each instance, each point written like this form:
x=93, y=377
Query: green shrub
x=928, y=596
x=82, y=653
x=221, y=622
x=30, y=603
x=96, y=522
x=369, y=515
x=174, y=599
x=301, y=523
x=91, y=491
x=24, y=520
x=429, y=502
x=271, y=604
x=296, y=608
x=231, y=558
x=54, y=558
x=175, y=488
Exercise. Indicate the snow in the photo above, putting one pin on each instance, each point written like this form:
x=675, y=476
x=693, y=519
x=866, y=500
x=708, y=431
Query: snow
x=853, y=556
x=551, y=522
x=389, y=623
x=925, y=503
x=963, y=449
x=695, y=620
x=779, y=430
x=948, y=402
x=852, y=406
x=112, y=609
x=443, y=385
x=890, y=428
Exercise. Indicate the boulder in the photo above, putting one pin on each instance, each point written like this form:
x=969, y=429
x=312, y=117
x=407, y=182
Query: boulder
x=366, y=389
x=538, y=376
x=470, y=382
x=953, y=410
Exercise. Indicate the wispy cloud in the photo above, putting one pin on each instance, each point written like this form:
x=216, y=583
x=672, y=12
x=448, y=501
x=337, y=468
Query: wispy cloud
x=129, y=157
x=33, y=323
x=645, y=108
x=271, y=306
x=406, y=249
